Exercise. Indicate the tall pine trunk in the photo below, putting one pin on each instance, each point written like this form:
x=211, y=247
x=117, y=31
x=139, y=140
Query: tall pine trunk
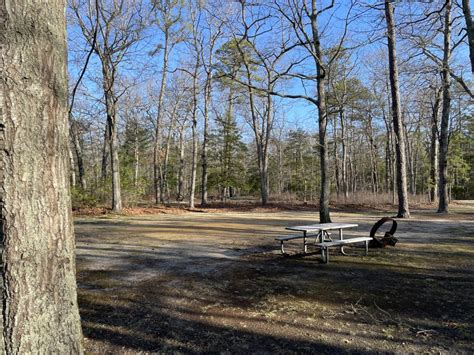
x=38, y=286
x=403, y=209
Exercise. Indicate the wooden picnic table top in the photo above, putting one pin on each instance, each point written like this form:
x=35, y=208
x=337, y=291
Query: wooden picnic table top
x=322, y=226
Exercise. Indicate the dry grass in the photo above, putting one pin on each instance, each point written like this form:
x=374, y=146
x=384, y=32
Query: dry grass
x=214, y=282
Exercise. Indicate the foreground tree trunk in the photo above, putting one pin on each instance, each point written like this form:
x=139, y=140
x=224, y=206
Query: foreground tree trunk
x=39, y=301
x=443, y=136
x=403, y=209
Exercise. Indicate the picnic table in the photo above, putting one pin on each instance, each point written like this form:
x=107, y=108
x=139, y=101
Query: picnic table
x=323, y=241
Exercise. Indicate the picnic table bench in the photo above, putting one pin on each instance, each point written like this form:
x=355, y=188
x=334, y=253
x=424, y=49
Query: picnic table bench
x=322, y=237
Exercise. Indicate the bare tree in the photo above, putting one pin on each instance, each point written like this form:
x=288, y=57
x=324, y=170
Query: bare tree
x=303, y=18
x=120, y=25
x=168, y=15
x=303, y=22
x=214, y=30
x=261, y=119
x=403, y=208
x=195, y=14
x=39, y=303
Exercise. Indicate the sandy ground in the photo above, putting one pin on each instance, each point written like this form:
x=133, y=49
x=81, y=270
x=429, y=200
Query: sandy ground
x=215, y=282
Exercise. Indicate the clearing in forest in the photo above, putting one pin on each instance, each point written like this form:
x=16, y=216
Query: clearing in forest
x=215, y=281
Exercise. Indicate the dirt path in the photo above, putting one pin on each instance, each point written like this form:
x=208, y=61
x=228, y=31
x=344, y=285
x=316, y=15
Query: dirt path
x=201, y=282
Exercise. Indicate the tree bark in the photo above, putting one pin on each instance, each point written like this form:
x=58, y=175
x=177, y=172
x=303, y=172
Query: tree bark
x=434, y=147
x=207, y=100
x=324, y=216
x=180, y=194
x=345, y=185
x=38, y=286
x=403, y=208
x=105, y=152
x=111, y=110
x=337, y=177
x=159, y=118
x=192, y=189
x=466, y=8
x=443, y=137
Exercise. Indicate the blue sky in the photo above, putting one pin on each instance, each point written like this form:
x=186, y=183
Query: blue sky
x=144, y=69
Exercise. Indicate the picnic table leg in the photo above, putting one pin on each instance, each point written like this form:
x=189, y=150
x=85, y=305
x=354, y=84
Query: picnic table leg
x=282, y=248
x=366, y=247
x=341, y=238
x=305, y=247
x=325, y=255
x=320, y=237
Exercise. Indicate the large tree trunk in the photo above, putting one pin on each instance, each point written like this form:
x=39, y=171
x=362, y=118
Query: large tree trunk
x=324, y=216
x=403, y=209
x=111, y=110
x=466, y=8
x=159, y=118
x=443, y=137
x=434, y=147
x=39, y=301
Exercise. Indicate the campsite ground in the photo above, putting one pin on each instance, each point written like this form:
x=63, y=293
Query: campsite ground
x=214, y=281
